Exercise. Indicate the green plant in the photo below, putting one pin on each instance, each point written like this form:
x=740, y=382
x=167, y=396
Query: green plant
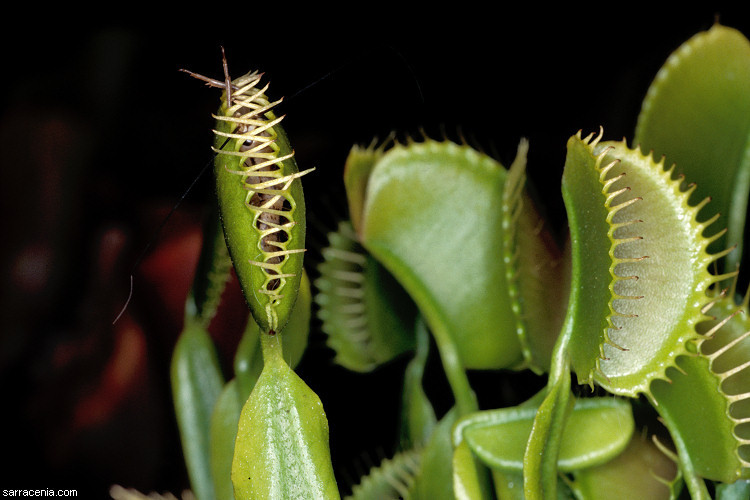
x=444, y=244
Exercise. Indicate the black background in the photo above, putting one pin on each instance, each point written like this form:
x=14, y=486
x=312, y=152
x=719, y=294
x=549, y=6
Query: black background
x=100, y=132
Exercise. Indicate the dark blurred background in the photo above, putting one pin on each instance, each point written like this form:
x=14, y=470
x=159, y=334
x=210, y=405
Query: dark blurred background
x=101, y=135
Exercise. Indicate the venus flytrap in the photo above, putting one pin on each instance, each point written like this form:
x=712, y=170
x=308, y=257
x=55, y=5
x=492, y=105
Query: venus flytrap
x=499, y=437
x=697, y=114
x=248, y=366
x=281, y=448
x=196, y=375
x=640, y=254
x=716, y=374
x=535, y=268
x=366, y=315
x=641, y=285
x=456, y=201
x=245, y=429
x=641, y=469
x=651, y=261
x=261, y=201
x=445, y=247
x=196, y=386
x=392, y=478
x=508, y=220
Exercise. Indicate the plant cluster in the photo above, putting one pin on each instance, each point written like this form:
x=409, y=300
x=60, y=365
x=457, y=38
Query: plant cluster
x=444, y=246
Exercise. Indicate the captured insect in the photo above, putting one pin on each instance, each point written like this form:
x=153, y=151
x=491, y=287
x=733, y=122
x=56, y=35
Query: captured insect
x=260, y=197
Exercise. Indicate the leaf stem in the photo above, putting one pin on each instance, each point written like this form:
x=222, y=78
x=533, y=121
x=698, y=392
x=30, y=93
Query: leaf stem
x=695, y=484
x=540, y=459
x=466, y=401
x=270, y=343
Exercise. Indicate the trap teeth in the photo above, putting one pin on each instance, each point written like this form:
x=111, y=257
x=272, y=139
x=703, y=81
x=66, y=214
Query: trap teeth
x=635, y=225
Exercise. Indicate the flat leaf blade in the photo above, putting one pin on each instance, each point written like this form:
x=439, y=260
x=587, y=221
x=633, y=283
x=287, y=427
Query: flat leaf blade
x=196, y=385
x=282, y=446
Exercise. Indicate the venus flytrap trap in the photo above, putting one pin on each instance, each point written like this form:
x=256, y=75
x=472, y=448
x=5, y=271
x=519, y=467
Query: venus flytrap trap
x=488, y=208
x=244, y=430
x=261, y=201
x=391, y=479
x=642, y=470
x=640, y=254
x=651, y=262
x=366, y=315
x=455, y=201
x=697, y=113
x=716, y=375
x=281, y=449
x=443, y=247
x=499, y=437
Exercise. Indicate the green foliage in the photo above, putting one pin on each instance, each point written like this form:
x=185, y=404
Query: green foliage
x=499, y=437
x=261, y=201
x=443, y=248
x=196, y=386
x=281, y=449
x=697, y=114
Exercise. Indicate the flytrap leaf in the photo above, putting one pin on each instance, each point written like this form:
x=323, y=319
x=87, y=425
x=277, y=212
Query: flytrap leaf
x=248, y=365
x=282, y=448
x=434, y=478
x=223, y=432
x=540, y=459
x=499, y=437
x=197, y=383
x=697, y=113
x=436, y=216
x=212, y=272
x=641, y=470
x=640, y=265
x=735, y=491
x=357, y=168
x=392, y=478
x=366, y=314
x=467, y=484
x=261, y=200
x=536, y=270
x=196, y=377
x=714, y=435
